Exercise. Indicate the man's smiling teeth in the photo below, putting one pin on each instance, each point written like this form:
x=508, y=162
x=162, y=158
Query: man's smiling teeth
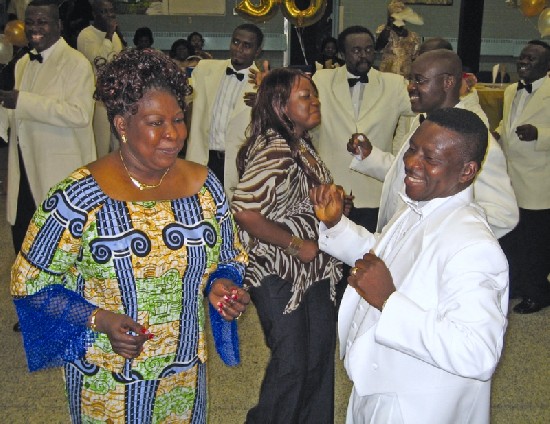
x=413, y=179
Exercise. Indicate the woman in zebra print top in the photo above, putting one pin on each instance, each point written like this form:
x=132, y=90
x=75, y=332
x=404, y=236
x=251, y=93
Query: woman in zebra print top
x=291, y=282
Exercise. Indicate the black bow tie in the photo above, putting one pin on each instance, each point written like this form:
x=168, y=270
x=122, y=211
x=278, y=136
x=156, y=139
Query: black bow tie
x=231, y=71
x=421, y=117
x=528, y=87
x=352, y=81
x=36, y=56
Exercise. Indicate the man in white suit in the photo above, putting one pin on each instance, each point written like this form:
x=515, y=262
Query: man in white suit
x=357, y=99
x=101, y=40
x=49, y=114
x=422, y=322
x=220, y=115
x=435, y=83
x=524, y=133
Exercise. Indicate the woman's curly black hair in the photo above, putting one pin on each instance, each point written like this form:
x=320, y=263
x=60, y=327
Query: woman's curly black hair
x=123, y=81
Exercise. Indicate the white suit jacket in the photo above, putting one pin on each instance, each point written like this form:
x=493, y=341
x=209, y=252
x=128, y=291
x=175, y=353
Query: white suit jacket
x=91, y=42
x=439, y=337
x=206, y=80
x=385, y=99
x=528, y=161
x=52, y=123
x=492, y=188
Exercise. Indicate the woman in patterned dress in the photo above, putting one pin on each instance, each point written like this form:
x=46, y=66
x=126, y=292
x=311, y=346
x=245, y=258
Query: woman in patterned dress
x=291, y=281
x=112, y=275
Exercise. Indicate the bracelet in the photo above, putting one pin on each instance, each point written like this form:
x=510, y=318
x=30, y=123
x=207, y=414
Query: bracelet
x=294, y=247
x=93, y=325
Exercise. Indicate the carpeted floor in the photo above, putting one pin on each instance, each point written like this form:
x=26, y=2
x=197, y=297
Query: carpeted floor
x=521, y=385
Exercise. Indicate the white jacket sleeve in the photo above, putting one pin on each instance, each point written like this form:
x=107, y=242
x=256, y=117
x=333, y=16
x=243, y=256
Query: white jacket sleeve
x=345, y=241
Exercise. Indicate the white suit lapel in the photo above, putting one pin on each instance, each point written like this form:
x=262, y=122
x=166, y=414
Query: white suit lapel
x=533, y=106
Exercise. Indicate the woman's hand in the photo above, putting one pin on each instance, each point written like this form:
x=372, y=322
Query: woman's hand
x=117, y=327
x=328, y=203
x=229, y=299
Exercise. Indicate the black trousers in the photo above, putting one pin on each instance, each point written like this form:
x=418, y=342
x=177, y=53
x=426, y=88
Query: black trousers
x=216, y=162
x=527, y=248
x=25, y=209
x=368, y=218
x=298, y=386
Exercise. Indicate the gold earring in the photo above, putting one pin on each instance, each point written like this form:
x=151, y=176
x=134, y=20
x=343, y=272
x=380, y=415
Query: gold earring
x=123, y=138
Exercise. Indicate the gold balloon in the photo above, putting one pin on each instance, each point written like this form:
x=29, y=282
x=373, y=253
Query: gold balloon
x=531, y=8
x=262, y=12
x=14, y=32
x=544, y=22
x=303, y=18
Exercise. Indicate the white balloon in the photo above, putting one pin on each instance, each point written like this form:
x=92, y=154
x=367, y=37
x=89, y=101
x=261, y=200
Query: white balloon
x=6, y=50
x=544, y=22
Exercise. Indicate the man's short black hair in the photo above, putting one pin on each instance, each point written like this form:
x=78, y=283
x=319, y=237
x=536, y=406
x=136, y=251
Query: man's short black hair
x=469, y=126
x=253, y=29
x=356, y=29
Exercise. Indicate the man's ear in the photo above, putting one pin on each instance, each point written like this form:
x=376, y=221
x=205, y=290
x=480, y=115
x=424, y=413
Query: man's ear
x=450, y=81
x=469, y=172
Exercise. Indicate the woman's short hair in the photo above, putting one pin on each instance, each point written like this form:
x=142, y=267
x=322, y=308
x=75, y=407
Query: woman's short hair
x=178, y=43
x=143, y=32
x=123, y=81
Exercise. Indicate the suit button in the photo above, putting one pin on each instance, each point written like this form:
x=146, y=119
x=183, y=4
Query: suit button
x=374, y=367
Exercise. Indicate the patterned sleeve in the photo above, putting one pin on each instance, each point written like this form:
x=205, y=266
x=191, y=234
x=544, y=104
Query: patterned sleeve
x=52, y=315
x=265, y=176
x=232, y=262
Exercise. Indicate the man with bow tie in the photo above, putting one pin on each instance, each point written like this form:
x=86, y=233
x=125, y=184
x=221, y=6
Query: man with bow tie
x=220, y=114
x=524, y=134
x=434, y=83
x=357, y=100
x=49, y=113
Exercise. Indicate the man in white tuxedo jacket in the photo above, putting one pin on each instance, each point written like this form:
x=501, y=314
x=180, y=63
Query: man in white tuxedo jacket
x=422, y=322
x=435, y=82
x=524, y=133
x=220, y=115
x=49, y=114
x=357, y=98
x=101, y=41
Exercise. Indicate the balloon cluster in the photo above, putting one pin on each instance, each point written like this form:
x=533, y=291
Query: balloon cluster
x=530, y=8
x=266, y=9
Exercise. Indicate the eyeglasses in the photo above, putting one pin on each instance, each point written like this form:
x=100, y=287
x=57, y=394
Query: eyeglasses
x=358, y=50
x=420, y=80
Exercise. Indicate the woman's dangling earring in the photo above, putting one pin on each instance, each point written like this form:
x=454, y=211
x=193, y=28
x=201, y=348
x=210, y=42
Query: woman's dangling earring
x=123, y=138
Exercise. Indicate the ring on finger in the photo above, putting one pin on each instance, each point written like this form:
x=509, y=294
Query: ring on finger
x=238, y=316
x=354, y=270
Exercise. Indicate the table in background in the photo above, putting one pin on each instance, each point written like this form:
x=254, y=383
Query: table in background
x=491, y=99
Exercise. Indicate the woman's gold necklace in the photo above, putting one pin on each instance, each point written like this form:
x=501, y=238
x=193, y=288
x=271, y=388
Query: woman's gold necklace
x=142, y=186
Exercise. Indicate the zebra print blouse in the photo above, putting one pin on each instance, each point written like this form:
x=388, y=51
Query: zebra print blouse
x=275, y=185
